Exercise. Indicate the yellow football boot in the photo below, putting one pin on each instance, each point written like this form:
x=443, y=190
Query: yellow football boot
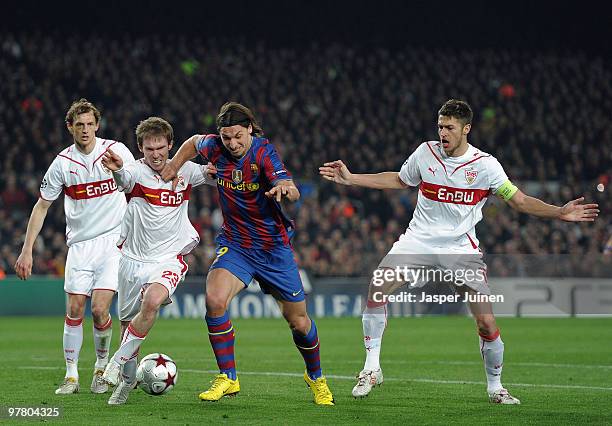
x=221, y=386
x=320, y=390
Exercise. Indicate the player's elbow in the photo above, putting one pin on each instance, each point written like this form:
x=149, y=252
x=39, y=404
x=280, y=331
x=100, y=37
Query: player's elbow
x=518, y=202
x=399, y=183
x=42, y=205
x=194, y=141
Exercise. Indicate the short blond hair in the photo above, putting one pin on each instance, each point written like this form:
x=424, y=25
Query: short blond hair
x=82, y=106
x=154, y=126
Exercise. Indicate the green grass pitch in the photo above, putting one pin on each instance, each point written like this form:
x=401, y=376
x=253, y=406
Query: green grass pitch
x=561, y=369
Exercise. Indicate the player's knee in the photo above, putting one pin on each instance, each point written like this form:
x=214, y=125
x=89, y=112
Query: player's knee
x=299, y=323
x=76, y=309
x=99, y=313
x=151, y=304
x=216, y=303
x=486, y=325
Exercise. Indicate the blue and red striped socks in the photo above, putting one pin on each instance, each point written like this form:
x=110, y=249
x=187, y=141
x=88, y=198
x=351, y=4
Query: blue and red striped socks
x=309, y=348
x=221, y=336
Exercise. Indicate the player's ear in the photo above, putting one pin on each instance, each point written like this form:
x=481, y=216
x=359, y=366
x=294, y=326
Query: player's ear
x=170, y=145
x=250, y=129
x=69, y=127
x=467, y=128
x=140, y=147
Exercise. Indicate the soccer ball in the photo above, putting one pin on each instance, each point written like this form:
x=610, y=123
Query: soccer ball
x=156, y=374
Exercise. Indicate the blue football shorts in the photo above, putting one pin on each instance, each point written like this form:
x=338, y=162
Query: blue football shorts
x=275, y=270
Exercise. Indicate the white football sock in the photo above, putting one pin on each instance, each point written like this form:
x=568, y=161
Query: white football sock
x=129, y=346
x=492, y=352
x=102, y=339
x=73, y=339
x=128, y=371
x=374, y=321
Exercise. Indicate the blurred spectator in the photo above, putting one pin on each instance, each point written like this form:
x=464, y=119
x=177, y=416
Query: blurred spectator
x=544, y=116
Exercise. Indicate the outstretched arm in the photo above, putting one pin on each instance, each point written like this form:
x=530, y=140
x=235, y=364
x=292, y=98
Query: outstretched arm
x=186, y=152
x=336, y=171
x=573, y=211
x=23, y=266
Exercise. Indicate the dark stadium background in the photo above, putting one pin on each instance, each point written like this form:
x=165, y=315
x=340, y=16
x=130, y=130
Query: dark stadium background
x=359, y=80
x=468, y=24
x=537, y=75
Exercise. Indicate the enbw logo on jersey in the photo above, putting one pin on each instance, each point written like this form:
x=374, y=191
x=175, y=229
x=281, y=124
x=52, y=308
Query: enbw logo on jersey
x=456, y=195
x=83, y=191
x=171, y=199
x=97, y=189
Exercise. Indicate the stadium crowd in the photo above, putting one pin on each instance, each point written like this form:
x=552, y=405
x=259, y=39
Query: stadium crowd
x=544, y=115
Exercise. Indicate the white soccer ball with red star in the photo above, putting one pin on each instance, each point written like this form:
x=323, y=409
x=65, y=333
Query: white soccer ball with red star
x=156, y=374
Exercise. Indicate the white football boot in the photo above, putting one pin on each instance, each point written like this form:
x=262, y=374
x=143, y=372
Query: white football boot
x=68, y=386
x=121, y=393
x=366, y=380
x=501, y=396
x=112, y=372
x=98, y=385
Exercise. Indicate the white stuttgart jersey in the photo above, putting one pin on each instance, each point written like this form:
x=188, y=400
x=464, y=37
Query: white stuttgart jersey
x=92, y=204
x=452, y=192
x=156, y=226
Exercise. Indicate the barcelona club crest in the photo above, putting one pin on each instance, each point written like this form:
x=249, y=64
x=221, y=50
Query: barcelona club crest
x=254, y=168
x=470, y=176
x=237, y=175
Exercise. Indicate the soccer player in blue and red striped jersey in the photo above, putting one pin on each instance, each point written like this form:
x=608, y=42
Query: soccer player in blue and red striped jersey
x=254, y=242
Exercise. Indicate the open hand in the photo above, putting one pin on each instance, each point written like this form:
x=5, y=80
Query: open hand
x=575, y=211
x=336, y=171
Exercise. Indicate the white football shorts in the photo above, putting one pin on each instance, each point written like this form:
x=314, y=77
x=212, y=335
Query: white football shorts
x=92, y=265
x=463, y=263
x=135, y=276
